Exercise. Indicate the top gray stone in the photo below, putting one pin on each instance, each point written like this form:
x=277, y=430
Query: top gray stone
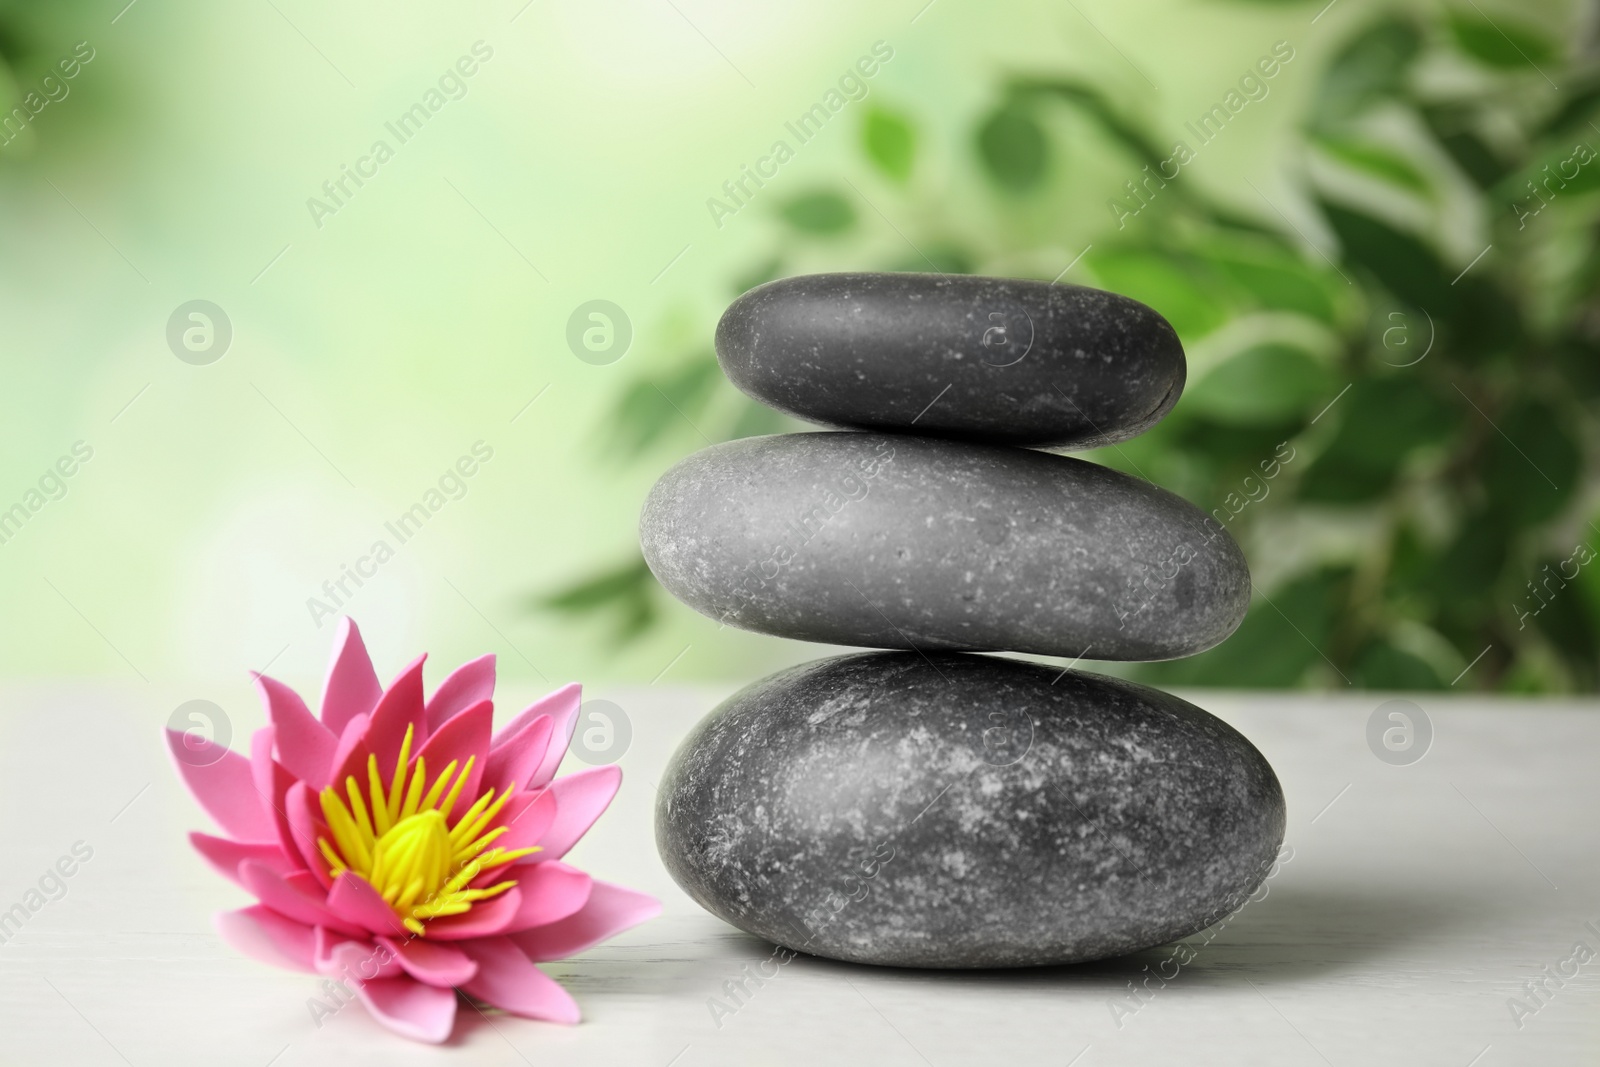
x=982, y=359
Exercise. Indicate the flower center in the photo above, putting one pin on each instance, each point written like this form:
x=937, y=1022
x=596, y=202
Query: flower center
x=402, y=840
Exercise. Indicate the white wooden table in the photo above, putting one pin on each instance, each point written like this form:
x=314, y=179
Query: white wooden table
x=1419, y=901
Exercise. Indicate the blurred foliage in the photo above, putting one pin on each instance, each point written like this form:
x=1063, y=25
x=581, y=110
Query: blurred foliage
x=1402, y=435
x=33, y=37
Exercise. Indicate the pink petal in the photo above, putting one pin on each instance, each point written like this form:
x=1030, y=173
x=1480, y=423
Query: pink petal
x=410, y=1008
x=399, y=707
x=272, y=784
x=354, y=900
x=580, y=799
x=509, y=980
x=353, y=960
x=487, y=918
x=295, y=896
x=350, y=758
x=463, y=737
x=562, y=706
x=516, y=759
x=352, y=687
x=550, y=892
x=527, y=817
x=305, y=746
x=305, y=826
x=431, y=964
x=226, y=855
x=220, y=780
x=264, y=935
x=324, y=944
x=609, y=910
x=467, y=684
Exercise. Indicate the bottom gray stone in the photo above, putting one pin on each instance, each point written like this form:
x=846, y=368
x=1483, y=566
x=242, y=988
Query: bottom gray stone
x=957, y=810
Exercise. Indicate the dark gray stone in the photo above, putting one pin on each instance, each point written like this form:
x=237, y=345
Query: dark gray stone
x=985, y=359
x=892, y=541
x=953, y=810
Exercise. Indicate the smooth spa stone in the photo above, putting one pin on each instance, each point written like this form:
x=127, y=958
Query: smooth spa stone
x=953, y=810
x=893, y=541
x=985, y=359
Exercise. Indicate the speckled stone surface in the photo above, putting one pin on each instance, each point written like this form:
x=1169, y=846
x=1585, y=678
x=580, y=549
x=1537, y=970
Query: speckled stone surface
x=965, y=811
x=894, y=541
x=991, y=359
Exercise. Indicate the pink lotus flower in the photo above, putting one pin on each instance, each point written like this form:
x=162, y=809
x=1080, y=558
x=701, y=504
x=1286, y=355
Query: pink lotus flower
x=400, y=847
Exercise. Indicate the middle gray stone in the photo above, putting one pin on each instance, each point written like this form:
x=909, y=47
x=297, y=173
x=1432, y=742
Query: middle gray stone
x=890, y=541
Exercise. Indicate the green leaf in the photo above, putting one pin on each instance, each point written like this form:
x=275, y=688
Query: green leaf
x=1402, y=263
x=1091, y=102
x=1557, y=171
x=1464, y=576
x=1485, y=320
x=1371, y=68
x=1578, y=359
x=1013, y=147
x=1453, y=127
x=1154, y=278
x=600, y=589
x=652, y=408
x=1267, y=383
x=1533, y=463
x=1273, y=280
x=1383, y=421
x=1564, y=616
x=821, y=212
x=1097, y=107
x=890, y=142
x=1276, y=645
x=1382, y=665
x=1377, y=161
x=1224, y=453
x=626, y=592
x=1409, y=560
x=1502, y=43
x=1579, y=102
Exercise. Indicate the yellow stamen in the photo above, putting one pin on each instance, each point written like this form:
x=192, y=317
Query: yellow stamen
x=414, y=793
x=455, y=790
x=402, y=841
x=380, y=808
x=358, y=807
x=399, y=776
x=432, y=799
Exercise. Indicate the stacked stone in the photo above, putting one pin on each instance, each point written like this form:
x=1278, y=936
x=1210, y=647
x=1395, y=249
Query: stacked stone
x=933, y=807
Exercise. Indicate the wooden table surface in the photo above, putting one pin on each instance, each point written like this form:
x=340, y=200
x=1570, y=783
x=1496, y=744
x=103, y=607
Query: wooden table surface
x=1442, y=911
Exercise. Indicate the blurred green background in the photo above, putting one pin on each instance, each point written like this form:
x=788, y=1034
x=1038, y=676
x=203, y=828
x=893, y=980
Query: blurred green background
x=1381, y=256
